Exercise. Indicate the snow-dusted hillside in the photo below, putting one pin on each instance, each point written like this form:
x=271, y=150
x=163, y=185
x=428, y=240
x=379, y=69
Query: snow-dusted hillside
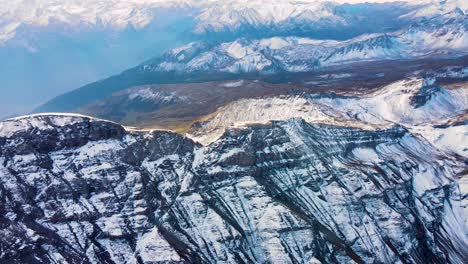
x=234, y=14
x=80, y=190
x=409, y=102
x=431, y=8
x=421, y=105
x=356, y=177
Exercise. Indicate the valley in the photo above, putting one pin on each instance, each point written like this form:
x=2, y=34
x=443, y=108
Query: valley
x=178, y=106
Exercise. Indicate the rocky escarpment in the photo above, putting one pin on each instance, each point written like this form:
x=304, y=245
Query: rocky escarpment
x=80, y=190
x=428, y=90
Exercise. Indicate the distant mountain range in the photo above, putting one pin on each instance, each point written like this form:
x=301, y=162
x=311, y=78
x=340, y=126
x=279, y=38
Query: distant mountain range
x=61, y=45
x=440, y=37
x=216, y=16
x=445, y=35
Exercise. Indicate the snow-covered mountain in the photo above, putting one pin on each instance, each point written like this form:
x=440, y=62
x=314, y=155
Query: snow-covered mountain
x=295, y=146
x=289, y=180
x=71, y=13
x=51, y=47
x=118, y=14
x=64, y=44
x=431, y=8
x=421, y=105
x=234, y=14
x=440, y=36
x=210, y=15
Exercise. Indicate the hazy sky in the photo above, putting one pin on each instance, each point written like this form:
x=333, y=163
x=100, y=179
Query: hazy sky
x=372, y=1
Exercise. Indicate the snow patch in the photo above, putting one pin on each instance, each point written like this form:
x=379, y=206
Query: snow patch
x=234, y=84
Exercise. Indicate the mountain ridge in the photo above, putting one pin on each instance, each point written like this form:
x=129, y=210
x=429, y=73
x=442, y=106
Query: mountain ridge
x=170, y=195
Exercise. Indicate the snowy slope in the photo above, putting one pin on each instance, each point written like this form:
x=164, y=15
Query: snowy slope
x=409, y=102
x=433, y=8
x=262, y=110
x=89, y=13
x=421, y=105
x=282, y=192
x=233, y=14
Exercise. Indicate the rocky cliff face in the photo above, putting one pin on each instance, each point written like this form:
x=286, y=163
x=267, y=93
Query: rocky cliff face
x=79, y=190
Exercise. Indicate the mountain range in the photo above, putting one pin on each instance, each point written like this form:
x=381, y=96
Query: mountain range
x=325, y=178
x=283, y=59
x=62, y=45
x=240, y=132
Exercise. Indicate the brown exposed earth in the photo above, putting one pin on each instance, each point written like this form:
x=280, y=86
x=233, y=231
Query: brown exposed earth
x=177, y=106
